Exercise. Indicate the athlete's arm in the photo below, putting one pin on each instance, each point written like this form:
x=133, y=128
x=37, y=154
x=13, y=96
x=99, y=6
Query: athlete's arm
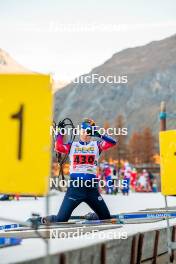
x=108, y=142
x=60, y=146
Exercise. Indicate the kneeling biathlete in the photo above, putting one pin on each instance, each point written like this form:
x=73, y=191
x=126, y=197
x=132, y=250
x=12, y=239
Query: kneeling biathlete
x=83, y=155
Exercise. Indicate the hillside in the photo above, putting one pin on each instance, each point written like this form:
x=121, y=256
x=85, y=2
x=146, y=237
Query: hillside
x=151, y=72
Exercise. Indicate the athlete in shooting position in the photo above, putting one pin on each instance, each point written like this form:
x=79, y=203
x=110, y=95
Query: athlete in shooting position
x=84, y=155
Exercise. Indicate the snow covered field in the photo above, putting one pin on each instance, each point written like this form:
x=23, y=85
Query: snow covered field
x=32, y=248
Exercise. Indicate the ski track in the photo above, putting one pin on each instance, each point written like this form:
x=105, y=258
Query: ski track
x=32, y=248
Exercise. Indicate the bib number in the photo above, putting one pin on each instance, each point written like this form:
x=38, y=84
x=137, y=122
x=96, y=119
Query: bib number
x=83, y=159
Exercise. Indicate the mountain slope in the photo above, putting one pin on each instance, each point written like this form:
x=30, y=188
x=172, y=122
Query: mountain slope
x=151, y=72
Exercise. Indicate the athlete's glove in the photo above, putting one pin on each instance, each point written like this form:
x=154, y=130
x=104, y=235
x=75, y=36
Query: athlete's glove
x=61, y=124
x=88, y=124
x=92, y=129
x=59, y=128
x=95, y=132
x=89, y=121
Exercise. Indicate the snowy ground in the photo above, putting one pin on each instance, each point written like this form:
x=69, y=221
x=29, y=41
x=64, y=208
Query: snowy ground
x=32, y=248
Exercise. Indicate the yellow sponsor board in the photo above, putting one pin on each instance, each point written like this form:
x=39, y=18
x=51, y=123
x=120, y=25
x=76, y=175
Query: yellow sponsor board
x=25, y=142
x=168, y=162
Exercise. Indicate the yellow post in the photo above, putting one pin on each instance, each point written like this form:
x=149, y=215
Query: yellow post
x=25, y=142
x=168, y=162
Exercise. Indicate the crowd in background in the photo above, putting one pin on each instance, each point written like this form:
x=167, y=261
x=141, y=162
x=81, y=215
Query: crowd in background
x=113, y=177
x=142, y=181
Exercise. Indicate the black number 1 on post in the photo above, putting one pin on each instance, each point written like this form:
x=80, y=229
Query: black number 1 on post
x=19, y=116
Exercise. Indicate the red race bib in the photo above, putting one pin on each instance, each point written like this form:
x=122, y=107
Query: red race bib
x=83, y=159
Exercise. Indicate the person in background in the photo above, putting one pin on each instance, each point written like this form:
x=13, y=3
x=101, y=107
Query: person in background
x=143, y=182
x=133, y=179
x=154, y=185
x=150, y=178
x=127, y=176
x=115, y=179
x=108, y=179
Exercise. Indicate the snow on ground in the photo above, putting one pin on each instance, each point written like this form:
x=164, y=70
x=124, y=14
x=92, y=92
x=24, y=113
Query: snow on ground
x=32, y=248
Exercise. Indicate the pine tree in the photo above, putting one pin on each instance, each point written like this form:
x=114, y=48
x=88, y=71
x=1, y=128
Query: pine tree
x=135, y=148
x=148, y=146
x=141, y=147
